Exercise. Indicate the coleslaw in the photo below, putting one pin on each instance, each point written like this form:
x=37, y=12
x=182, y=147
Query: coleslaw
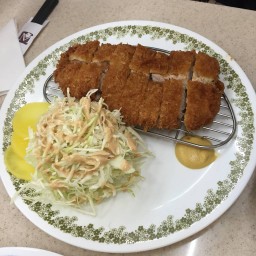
x=83, y=153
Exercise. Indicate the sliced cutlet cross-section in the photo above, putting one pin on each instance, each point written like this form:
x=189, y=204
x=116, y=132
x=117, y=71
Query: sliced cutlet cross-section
x=159, y=67
x=86, y=78
x=64, y=58
x=115, y=79
x=142, y=59
x=113, y=84
x=206, y=69
x=64, y=76
x=220, y=86
x=84, y=52
x=180, y=65
x=132, y=97
x=123, y=54
x=104, y=53
x=149, y=107
x=202, y=104
x=173, y=104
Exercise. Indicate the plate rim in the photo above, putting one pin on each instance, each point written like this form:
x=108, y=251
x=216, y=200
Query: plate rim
x=19, y=251
x=241, y=184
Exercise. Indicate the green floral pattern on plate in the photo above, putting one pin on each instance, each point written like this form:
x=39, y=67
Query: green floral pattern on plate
x=213, y=198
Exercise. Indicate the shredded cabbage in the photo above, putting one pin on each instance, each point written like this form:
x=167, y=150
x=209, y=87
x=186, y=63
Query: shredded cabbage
x=83, y=153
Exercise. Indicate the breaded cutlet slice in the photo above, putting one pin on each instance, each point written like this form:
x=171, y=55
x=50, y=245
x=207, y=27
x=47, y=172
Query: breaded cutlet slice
x=114, y=83
x=206, y=68
x=84, y=52
x=136, y=83
x=104, y=53
x=86, y=78
x=149, y=108
x=132, y=97
x=180, y=65
x=64, y=76
x=172, y=106
x=64, y=58
x=220, y=86
x=123, y=54
x=142, y=59
x=115, y=79
x=159, y=67
x=202, y=104
x=113, y=102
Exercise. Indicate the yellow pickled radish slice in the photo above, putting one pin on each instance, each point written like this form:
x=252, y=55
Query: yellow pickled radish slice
x=28, y=116
x=17, y=165
x=19, y=144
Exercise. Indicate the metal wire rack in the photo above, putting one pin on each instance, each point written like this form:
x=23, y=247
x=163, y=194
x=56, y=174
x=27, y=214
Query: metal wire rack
x=219, y=132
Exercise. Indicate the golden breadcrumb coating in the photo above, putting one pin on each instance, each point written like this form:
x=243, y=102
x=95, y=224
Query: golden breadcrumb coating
x=142, y=59
x=203, y=103
x=115, y=79
x=149, y=87
x=64, y=76
x=123, y=54
x=104, y=53
x=206, y=69
x=149, y=108
x=160, y=64
x=172, y=104
x=133, y=96
x=180, y=64
x=84, y=52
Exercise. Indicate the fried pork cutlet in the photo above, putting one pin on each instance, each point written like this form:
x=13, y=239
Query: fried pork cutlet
x=180, y=65
x=142, y=59
x=125, y=73
x=132, y=97
x=206, y=68
x=115, y=79
x=173, y=103
x=104, y=53
x=88, y=77
x=220, y=86
x=159, y=67
x=203, y=104
x=79, y=77
x=84, y=52
x=149, y=107
x=64, y=59
x=64, y=76
x=123, y=54
x=114, y=83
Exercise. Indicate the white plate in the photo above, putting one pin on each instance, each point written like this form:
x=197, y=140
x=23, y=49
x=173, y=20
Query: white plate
x=25, y=251
x=173, y=202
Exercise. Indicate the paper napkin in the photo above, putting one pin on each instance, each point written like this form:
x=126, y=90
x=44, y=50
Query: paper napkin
x=11, y=59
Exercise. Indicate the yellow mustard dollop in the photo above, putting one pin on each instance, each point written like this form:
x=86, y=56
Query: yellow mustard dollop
x=193, y=157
